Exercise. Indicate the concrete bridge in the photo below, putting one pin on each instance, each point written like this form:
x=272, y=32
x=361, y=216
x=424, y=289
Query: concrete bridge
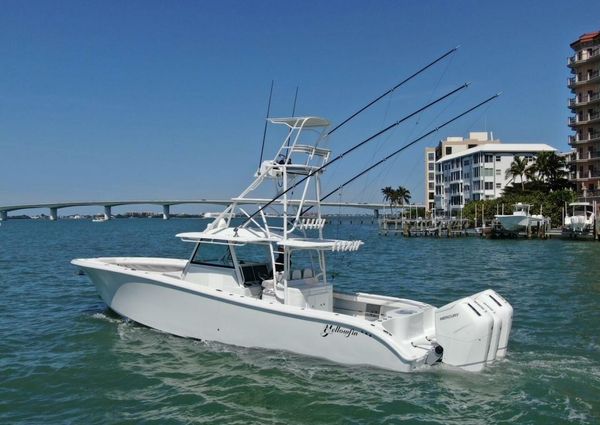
x=166, y=205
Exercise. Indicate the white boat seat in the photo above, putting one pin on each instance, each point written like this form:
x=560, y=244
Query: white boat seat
x=308, y=273
x=268, y=284
x=296, y=274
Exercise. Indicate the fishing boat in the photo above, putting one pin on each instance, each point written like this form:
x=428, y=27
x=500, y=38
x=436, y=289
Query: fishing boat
x=99, y=219
x=580, y=221
x=262, y=281
x=520, y=219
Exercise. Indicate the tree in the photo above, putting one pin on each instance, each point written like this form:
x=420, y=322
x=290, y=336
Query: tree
x=396, y=197
x=402, y=195
x=388, y=195
x=551, y=169
x=517, y=168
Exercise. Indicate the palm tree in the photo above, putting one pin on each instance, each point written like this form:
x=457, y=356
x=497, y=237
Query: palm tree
x=551, y=169
x=402, y=195
x=517, y=168
x=388, y=195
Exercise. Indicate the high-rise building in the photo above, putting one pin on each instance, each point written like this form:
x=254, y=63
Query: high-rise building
x=585, y=105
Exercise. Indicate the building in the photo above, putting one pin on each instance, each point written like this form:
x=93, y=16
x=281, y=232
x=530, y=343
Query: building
x=478, y=173
x=585, y=106
x=449, y=146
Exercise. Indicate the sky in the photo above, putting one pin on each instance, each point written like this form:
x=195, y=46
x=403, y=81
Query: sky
x=167, y=100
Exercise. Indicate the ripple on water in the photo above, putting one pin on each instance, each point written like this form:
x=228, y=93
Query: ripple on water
x=64, y=358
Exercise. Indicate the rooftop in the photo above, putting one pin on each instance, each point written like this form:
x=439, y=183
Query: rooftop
x=501, y=147
x=590, y=36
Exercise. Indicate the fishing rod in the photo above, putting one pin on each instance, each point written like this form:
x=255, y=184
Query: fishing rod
x=293, y=115
x=449, y=52
x=262, y=148
x=366, y=170
x=340, y=156
x=295, y=99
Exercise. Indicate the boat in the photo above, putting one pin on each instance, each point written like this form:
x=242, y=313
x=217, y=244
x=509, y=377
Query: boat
x=520, y=219
x=261, y=281
x=99, y=219
x=581, y=219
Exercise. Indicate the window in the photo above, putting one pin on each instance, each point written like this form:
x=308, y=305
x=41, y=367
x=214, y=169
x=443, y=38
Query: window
x=430, y=177
x=466, y=162
x=498, y=172
x=430, y=156
x=489, y=172
x=489, y=185
x=212, y=254
x=431, y=195
x=498, y=157
x=431, y=185
x=498, y=185
x=431, y=166
x=448, y=150
x=489, y=158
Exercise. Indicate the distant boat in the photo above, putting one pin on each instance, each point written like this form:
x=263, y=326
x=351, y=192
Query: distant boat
x=211, y=214
x=99, y=219
x=581, y=220
x=520, y=219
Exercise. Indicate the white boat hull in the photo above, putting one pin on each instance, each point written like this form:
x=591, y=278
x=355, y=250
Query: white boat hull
x=579, y=224
x=515, y=223
x=197, y=313
x=162, y=301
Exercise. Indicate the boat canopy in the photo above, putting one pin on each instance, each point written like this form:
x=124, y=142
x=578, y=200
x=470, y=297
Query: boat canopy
x=580, y=204
x=322, y=244
x=230, y=234
x=253, y=235
x=301, y=122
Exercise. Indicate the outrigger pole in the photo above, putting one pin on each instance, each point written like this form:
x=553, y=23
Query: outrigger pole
x=340, y=156
x=407, y=79
x=366, y=170
x=262, y=148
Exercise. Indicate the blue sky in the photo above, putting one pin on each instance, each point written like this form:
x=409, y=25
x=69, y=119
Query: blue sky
x=157, y=99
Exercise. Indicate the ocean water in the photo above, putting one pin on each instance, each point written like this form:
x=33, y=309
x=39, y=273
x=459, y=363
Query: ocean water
x=65, y=358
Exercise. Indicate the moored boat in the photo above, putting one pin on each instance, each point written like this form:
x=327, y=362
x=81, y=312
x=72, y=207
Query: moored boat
x=520, y=219
x=579, y=219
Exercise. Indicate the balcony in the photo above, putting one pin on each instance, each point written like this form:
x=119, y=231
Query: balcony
x=592, y=77
x=590, y=175
x=584, y=100
x=584, y=56
x=587, y=156
x=594, y=137
x=585, y=119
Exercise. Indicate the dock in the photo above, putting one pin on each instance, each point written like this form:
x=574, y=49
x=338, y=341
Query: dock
x=422, y=227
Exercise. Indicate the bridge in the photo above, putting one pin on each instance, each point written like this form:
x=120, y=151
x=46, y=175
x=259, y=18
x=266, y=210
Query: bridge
x=166, y=205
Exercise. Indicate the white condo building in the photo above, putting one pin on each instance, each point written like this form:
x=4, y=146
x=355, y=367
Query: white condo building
x=449, y=146
x=479, y=172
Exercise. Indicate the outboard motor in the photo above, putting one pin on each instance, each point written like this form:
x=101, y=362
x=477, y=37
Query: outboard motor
x=474, y=330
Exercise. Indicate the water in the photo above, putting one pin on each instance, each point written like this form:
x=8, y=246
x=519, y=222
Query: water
x=64, y=358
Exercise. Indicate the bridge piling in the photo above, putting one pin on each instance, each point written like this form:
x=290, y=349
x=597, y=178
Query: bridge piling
x=107, y=212
x=166, y=212
x=53, y=213
x=3, y=215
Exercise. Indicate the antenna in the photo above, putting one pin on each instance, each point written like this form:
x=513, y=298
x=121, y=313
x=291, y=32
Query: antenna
x=262, y=148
